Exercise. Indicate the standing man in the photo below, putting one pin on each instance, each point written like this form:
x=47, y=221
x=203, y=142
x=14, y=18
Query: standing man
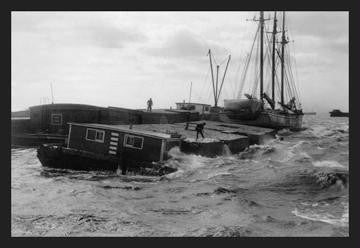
x=149, y=103
x=199, y=129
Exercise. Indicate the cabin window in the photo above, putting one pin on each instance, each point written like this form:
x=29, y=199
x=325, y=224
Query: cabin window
x=56, y=119
x=133, y=141
x=95, y=135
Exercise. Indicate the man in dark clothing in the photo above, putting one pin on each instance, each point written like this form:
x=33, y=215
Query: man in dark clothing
x=199, y=129
x=149, y=103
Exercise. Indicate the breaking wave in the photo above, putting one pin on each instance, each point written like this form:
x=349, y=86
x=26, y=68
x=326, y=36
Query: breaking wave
x=329, y=164
x=315, y=214
x=294, y=185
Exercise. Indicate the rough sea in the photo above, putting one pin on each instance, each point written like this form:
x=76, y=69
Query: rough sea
x=295, y=186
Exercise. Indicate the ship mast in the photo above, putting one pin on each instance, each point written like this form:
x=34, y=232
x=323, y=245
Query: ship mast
x=283, y=43
x=212, y=77
x=261, y=54
x=273, y=60
x=216, y=89
x=190, y=92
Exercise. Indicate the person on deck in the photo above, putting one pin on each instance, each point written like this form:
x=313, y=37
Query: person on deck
x=149, y=104
x=199, y=129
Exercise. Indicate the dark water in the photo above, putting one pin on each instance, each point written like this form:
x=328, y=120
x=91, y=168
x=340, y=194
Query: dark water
x=292, y=187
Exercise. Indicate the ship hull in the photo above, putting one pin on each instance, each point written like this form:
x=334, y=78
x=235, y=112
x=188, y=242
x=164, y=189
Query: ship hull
x=268, y=118
x=342, y=114
x=55, y=156
x=246, y=109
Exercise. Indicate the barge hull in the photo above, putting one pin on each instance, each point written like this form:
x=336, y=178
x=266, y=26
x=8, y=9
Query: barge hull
x=64, y=158
x=57, y=157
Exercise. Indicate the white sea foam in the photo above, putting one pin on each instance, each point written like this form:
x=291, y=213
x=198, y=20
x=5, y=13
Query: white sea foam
x=217, y=173
x=327, y=163
x=320, y=131
x=185, y=162
x=327, y=218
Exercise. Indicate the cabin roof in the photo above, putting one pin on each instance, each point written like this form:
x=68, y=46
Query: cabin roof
x=124, y=129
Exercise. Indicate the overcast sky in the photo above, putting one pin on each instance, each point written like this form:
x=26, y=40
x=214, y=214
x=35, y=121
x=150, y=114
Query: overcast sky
x=123, y=58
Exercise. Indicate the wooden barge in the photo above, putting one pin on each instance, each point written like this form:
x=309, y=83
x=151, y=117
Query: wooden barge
x=217, y=134
x=49, y=122
x=145, y=147
x=108, y=147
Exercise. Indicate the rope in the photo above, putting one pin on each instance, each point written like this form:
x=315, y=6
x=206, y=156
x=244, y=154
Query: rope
x=247, y=63
x=204, y=84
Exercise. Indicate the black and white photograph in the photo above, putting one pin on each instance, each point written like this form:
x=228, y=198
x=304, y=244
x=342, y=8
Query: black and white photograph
x=180, y=123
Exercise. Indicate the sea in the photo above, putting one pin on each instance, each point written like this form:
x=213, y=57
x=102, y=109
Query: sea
x=294, y=185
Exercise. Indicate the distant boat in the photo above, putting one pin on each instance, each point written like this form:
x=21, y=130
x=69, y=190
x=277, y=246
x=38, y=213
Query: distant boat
x=252, y=110
x=338, y=113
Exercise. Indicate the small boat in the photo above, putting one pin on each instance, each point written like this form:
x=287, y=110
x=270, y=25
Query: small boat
x=110, y=147
x=264, y=110
x=338, y=113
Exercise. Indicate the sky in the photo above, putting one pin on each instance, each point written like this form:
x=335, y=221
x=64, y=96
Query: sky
x=124, y=58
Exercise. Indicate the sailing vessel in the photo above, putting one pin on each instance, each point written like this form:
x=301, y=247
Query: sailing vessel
x=262, y=109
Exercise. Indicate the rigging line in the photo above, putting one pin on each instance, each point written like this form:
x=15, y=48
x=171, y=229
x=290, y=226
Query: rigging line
x=240, y=74
x=289, y=89
x=296, y=73
x=207, y=95
x=287, y=71
x=277, y=81
x=291, y=78
x=238, y=85
x=294, y=82
x=248, y=61
x=267, y=58
x=214, y=59
x=201, y=97
x=256, y=70
x=204, y=84
x=234, y=85
x=223, y=61
x=269, y=50
x=292, y=75
x=288, y=82
x=243, y=76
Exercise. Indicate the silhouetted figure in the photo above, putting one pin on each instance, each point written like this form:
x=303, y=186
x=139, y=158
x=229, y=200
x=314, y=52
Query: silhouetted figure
x=199, y=129
x=149, y=105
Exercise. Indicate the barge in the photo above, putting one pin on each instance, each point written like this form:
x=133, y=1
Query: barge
x=144, y=148
x=108, y=147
